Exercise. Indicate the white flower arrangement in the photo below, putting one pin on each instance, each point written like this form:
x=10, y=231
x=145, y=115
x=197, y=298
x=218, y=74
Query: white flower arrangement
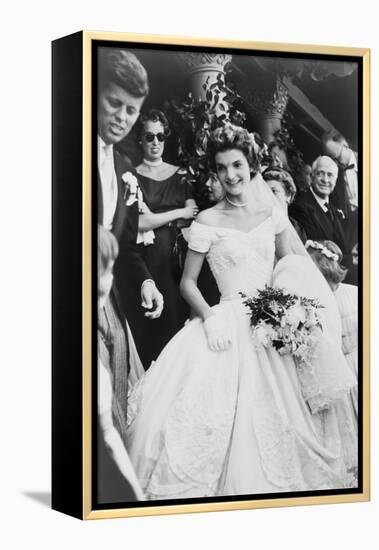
x=285, y=322
x=131, y=191
x=341, y=213
x=132, y=194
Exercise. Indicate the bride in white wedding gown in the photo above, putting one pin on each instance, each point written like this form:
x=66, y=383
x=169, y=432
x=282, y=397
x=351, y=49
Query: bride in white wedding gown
x=215, y=415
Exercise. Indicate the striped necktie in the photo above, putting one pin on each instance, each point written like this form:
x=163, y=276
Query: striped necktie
x=329, y=213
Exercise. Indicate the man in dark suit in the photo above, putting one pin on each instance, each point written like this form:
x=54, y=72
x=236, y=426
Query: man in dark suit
x=122, y=88
x=346, y=192
x=314, y=210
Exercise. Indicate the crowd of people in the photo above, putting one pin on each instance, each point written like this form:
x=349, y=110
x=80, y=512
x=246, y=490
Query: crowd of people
x=188, y=406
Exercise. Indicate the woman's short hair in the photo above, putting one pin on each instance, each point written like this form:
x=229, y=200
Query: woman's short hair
x=124, y=69
x=230, y=137
x=107, y=250
x=154, y=115
x=274, y=173
x=327, y=255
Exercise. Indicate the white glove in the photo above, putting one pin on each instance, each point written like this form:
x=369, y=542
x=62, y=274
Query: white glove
x=217, y=333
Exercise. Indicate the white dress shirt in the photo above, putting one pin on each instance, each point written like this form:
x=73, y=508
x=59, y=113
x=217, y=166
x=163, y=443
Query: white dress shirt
x=108, y=180
x=109, y=190
x=351, y=182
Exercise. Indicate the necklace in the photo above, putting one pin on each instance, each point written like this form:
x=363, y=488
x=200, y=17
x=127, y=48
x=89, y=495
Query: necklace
x=157, y=162
x=236, y=204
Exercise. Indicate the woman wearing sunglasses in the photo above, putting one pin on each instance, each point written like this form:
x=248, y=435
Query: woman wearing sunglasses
x=169, y=206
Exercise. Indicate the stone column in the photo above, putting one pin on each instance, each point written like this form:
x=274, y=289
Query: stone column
x=267, y=101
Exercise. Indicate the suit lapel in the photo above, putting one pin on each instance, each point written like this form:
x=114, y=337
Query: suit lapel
x=338, y=230
x=329, y=228
x=100, y=205
x=122, y=211
x=121, y=208
x=322, y=219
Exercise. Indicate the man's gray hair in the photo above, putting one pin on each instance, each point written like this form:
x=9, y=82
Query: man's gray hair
x=319, y=159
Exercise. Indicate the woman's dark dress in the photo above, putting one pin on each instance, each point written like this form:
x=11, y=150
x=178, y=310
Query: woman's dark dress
x=152, y=335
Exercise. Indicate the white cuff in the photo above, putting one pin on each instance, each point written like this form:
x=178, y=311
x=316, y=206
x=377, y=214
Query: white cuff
x=147, y=281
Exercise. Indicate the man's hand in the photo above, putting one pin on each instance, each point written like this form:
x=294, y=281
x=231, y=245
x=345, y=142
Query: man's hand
x=152, y=299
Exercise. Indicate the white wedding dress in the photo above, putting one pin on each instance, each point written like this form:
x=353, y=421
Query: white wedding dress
x=205, y=423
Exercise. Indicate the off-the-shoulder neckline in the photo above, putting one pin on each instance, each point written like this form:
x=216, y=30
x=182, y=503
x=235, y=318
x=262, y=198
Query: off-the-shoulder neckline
x=215, y=227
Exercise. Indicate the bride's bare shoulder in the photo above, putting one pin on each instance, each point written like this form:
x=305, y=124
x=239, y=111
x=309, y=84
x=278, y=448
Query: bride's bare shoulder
x=210, y=216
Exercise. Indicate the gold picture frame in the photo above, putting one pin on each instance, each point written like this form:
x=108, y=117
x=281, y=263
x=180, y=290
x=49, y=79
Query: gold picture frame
x=73, y=371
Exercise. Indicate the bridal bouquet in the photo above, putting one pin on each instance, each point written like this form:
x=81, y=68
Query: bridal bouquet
x=286, y=322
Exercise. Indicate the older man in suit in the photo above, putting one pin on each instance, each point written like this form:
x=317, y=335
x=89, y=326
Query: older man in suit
x=346, y=194
x=313, y=208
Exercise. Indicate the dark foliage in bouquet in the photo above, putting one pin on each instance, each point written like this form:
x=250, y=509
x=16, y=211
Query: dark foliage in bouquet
x=192, y=120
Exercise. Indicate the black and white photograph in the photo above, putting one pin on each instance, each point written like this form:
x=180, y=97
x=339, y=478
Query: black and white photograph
x=227, y=189
x=190, y=254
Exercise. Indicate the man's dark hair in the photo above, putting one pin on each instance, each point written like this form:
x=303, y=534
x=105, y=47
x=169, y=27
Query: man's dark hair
x=332, y=135
x=124, y=69
x=154, y=115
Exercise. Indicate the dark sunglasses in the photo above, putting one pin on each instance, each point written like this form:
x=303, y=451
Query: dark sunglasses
x=149, y=136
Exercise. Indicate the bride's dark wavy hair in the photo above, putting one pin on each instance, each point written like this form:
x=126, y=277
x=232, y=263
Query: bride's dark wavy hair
x=230, y=137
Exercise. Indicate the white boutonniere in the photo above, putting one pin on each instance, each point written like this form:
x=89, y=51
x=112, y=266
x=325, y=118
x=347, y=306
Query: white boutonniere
x=341, y=213
x=131, y=188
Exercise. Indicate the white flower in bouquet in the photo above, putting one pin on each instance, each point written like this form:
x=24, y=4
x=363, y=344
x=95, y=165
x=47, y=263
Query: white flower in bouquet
x=131, y=188
x=285, y=349
x=286, y=333
x=275, y=307
x=302, y=349
x=312, y=318
x=286, y=322
x=313, y=334
x=283, y=321
x=296, y=315
x=264, y=334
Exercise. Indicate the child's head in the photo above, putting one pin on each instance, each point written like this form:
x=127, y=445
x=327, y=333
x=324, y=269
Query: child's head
x=328, y=256
x=107, y=252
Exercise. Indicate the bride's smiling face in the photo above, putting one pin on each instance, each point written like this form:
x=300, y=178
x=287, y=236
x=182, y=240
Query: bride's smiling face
x=233, y=171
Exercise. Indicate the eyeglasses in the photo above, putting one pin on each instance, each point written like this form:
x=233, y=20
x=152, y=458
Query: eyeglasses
x=149, y=136
x=322, y=174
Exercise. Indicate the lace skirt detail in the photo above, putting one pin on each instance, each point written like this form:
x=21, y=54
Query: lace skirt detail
x=205, y=423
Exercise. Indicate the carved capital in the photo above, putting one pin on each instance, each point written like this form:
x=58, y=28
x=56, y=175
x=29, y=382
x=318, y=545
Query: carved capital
x=268, y=100
x=200, y=62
